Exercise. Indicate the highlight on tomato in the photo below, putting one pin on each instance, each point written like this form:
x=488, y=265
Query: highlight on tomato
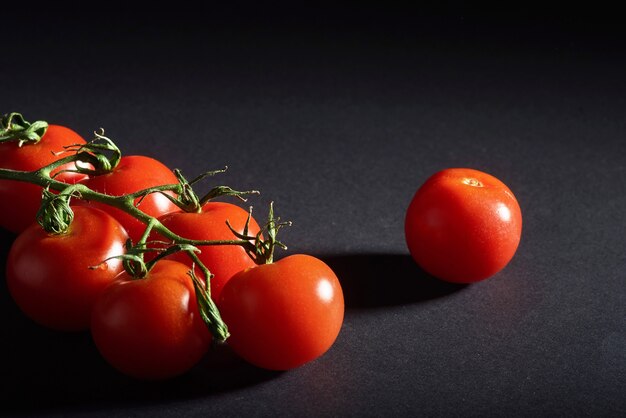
x=283, y=314
x=151, y=327
x=463, y=225
x=28, y=146
x=49, y=275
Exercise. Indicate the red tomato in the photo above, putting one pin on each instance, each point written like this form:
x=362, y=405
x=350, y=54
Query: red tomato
x=463, y=225
x=49, y=276
x=284, y=314
x=20, y=201
x=150, y=328
x=210, y=224
x=134, y=173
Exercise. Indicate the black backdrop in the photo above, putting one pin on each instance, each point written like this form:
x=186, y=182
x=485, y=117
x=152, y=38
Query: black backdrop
x=338, y=114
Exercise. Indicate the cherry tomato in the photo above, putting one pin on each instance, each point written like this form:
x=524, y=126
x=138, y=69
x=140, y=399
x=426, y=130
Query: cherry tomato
x=134, y=173
x=20, y=201
x=49, y=275
x=284, y=314
x=463, y=225
x=150, y=328
x=210, y=224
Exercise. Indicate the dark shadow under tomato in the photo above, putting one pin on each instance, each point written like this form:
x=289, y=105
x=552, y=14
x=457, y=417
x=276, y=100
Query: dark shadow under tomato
x=379, y=280
x=68, y=374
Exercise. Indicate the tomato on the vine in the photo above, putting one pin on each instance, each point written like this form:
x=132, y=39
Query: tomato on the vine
x=20, y=201
x=210, y=224
x=463, y=225
x=151, y=328
x=284, y=314
x=134, y=173
x=49, y=276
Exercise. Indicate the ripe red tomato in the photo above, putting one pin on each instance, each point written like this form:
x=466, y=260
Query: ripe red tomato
x=49, y=276
x=134, y=173
x=463, y=225
x=210, y=224
x=284, y=314
x=20, y=201
x=150, y=328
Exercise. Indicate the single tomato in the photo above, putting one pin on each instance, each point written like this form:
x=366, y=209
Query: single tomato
x=49, y=276
x=284, y=314
x=463, y=225
x=20, y=201
x=134, y=173
x=150, y=328
x=210, y=224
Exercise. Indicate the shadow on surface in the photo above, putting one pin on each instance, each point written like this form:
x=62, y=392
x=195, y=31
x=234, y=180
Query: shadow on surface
x=379, y=280
x=46, y=371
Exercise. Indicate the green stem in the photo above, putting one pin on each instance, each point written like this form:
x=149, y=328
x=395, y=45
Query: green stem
x=125, y=203
x=190, y=202
x=207, y=307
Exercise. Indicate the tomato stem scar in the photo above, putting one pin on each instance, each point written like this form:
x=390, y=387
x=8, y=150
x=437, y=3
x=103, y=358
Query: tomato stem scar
x=472, y=182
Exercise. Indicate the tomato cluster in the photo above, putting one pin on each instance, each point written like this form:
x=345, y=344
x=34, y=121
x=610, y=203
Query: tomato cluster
x=129, y=260
x=151, y=317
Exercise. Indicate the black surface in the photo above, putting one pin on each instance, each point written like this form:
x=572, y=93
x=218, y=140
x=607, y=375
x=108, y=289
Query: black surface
x=338, y=115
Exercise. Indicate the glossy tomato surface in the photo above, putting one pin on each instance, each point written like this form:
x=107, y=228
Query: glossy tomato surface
x=134, y=173
x=151, y=328
x=210, y=224
x=463, y=225
x=49, y=276
x=285, y=314
x=20, y=201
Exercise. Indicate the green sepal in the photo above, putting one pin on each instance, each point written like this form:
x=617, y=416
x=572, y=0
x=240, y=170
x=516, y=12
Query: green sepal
x=13, y=127
x=55, y=214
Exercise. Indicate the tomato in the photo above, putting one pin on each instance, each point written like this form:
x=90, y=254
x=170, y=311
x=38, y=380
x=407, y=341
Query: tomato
x=49, y=275
x=463, y=225
x=210, y=224
x=134, y=173
x=150, y=328
x=284, y=314
x=20, y=201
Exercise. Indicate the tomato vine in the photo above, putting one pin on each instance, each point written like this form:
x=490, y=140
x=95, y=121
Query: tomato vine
x=101, y=156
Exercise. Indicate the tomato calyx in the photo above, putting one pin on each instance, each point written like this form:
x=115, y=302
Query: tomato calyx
x=55, y=214
x=101, y=152
x=260, y=249
x=13, y=127
x=189, y=201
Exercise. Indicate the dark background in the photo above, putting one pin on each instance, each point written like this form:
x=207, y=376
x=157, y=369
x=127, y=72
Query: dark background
x=338, y=113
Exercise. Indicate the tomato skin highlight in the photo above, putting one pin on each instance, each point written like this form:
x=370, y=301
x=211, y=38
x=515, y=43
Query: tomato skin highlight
x=285, y=314
x=19, y=201
x=134, y=173
x=150, y=328
x=48, y=276
x=463, y=225
x=210, y=224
